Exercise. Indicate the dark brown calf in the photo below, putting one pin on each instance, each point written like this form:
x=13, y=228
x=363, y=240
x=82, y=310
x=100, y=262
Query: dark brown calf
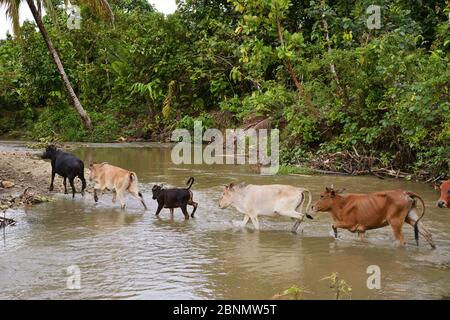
x=175, y=198
x=361, y=212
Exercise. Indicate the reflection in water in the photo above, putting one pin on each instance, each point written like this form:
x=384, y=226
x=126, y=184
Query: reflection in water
x=134, y=255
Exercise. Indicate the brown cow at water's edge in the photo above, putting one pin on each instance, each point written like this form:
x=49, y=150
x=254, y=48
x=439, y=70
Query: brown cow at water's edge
x=360, y=212
x=444, y=199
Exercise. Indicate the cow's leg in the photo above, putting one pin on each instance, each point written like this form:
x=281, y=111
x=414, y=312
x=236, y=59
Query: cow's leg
x=296, y=225
x=361, y=235
x=53, y=179
x=171, y=213
x=255, y=222
x=121, y=196
x=245, y=221
x=72, y=185
x=95, y=193
x=335, y=231
x=114, y=196
x=396, y=225
x=160, y=207
x=361, y=231
x=185, y=212
x=411, y=220
x=139, y=196
x=194, y=204
x=83, y=183
x=65, y=185
x=341, y=225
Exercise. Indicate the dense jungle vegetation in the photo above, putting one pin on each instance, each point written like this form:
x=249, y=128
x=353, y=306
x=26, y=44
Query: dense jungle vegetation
x=311, y=68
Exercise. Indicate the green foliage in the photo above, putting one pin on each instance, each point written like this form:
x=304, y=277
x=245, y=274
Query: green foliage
x=188, y=122
x=292, y=293
x=384, y=93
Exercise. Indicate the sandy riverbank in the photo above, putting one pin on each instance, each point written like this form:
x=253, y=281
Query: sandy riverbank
x=25, y=170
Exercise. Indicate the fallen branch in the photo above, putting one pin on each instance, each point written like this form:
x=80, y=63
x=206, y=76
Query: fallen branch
x=4, y=222
x=29, y=199
x=352, y=163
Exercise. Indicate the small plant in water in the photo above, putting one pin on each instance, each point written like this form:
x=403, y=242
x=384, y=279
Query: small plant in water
x=339, y=286
x=292, y=293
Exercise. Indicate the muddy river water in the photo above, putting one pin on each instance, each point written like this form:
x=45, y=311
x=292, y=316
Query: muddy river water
x=132, y=254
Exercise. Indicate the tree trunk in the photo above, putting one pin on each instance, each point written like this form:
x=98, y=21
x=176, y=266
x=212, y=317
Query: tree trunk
x=73, y=99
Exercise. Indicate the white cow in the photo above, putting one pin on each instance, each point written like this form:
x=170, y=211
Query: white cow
x=266, y=200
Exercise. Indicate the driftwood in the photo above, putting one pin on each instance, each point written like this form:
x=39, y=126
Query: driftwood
x=352, y=163
x=28, y=198
x=6, y=221
x=347, y=162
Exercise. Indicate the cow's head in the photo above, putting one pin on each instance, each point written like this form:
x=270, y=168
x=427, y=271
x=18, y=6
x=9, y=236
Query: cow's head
x=327, y=199
x=444, y=200
x=95, y=169
x=50, y=152
x=228, y=194
x=156, y=190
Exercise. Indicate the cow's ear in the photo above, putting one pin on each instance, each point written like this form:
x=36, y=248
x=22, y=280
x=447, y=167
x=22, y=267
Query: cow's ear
x=231, y=185
x=340, y=191
x=333, y=193
x=328, y=190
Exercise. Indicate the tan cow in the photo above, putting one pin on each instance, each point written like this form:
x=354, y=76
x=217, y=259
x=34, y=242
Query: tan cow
x=116, y=179
x=360, y=212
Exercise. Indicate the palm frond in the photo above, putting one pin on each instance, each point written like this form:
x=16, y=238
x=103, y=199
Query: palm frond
x=102, y=7
x=12, y=13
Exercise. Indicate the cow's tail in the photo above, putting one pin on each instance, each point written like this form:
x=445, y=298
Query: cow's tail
x=189, y=183
x=133, y=185
x=308, y=206
x=416, y=227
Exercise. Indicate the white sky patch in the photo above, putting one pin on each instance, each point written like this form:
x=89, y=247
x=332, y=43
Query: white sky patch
x=164, y=6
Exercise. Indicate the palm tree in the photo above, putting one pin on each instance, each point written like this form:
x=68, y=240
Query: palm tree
x=12, y=11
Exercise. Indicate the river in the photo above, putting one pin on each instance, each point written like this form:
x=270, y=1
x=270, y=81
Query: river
x=132, y=254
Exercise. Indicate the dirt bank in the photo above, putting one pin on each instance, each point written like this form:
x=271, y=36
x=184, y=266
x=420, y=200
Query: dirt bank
x=24, y=176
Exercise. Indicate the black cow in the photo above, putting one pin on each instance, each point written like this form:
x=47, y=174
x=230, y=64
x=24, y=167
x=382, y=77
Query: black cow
x=67, y=166
x=174, y=198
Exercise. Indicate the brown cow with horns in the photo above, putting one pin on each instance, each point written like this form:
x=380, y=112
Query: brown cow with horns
x=361, y=212
x=444, y=200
